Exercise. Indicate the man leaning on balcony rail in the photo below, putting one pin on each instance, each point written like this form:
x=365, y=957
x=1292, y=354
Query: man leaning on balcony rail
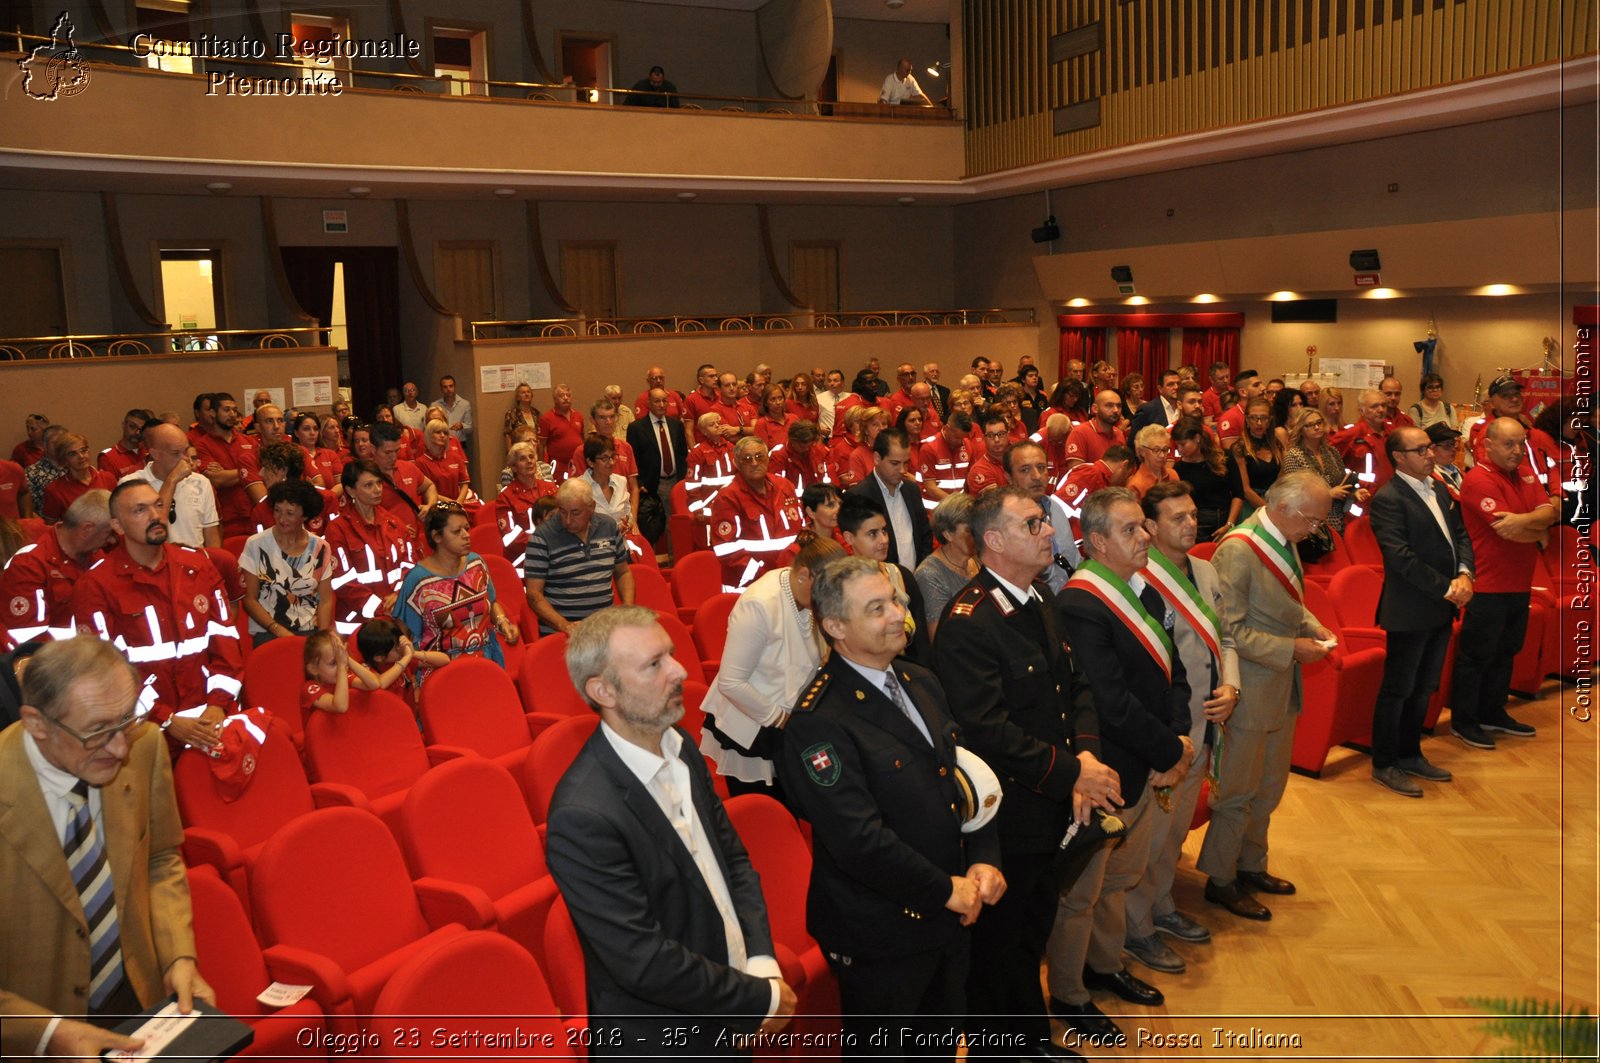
x=901, y=87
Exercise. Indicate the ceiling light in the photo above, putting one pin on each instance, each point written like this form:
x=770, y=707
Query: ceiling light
x=1205, y=297
x=1383, y=293
x=687, y=196
x=1079, y=301
x=218, y=188
x=1498, y=289
x=904, y=200
x=505, y=193
x=359, y=191
x=1137, y=300
x=1284, y=296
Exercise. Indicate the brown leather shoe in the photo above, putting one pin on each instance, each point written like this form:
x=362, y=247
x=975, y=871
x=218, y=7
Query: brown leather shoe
x=1234, y=898
x=1262, y=882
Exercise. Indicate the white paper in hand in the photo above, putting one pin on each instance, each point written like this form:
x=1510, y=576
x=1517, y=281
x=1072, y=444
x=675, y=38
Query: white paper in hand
x=161, y=1030
x=280, y=995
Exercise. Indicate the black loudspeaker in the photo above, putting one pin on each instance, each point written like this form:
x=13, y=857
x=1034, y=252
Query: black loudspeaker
x=1122, y=274
x=1047, y=232
x=1365, y=261
x=1316, y=311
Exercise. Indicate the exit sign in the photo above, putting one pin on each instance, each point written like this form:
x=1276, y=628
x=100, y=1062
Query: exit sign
x=1366, y=280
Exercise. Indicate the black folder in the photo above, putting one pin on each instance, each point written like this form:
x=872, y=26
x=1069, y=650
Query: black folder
x=213, y=1035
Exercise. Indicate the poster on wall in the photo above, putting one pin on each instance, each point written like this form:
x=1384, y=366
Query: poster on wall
x=312, y=391
x=1540, y=387
x=496, y=378
x=250, y=397
x=1353, y=372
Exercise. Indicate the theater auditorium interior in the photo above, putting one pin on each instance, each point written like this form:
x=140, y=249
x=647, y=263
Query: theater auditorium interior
x=329, y=199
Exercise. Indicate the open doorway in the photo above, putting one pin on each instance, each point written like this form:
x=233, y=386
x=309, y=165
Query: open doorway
x=192, y=295
x=586, y=58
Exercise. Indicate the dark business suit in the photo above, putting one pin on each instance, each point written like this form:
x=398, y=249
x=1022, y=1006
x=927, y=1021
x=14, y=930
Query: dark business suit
x=882, y=801
x=921, y=531
x=1418, y=565
x=1025, y=708
x=940, y=398
x=1151, y=413
x=653, y=939
x=641, y=435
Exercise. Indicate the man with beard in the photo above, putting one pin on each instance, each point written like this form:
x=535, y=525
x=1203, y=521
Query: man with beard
x=661, y=891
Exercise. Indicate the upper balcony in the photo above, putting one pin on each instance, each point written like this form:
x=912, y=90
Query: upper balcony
x=127, y=127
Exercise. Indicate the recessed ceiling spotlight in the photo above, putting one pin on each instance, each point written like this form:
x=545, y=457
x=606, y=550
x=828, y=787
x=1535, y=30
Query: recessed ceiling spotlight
x=1205, y=297
x=1137, y=300
x=1383, y=293
x=904, y=200
x=218, y=188
x=1079, y=301
x=687, y=196
x=359, y=191
x=505, y=193
x=1284, y=296
x=1499, y=289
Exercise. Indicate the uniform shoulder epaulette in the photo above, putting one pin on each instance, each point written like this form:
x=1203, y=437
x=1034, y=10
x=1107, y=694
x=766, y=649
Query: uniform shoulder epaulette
x=966, y=601
x=809, y=696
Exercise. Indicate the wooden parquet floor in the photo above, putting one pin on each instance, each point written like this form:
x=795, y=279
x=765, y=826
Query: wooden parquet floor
x=1406, y=910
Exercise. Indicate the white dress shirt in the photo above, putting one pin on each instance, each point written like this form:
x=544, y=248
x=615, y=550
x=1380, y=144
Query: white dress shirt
x=667, y=779
x=194, y=506
x=1424, y=490
x=881, y=678
x=905, y=540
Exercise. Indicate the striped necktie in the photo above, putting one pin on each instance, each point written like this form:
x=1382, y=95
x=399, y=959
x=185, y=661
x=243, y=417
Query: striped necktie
x=86, y=858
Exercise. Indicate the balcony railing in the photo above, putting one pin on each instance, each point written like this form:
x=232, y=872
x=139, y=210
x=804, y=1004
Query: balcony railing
x=180, y=341
x=569, y=328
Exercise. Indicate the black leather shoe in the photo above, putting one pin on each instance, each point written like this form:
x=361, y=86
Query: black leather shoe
x=1133, y=989
x=1262, y=882
x=1089, y=1023
x=1234, y=898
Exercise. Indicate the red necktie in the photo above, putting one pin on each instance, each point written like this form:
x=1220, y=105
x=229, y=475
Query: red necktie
x=666, y=450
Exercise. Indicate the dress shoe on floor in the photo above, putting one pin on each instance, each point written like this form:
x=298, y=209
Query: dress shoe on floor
x=1087, y=1021
x=1177, y=925
x=1133, y=990
x=1394, y=779
x=1261, y=882
x=1154, y=954
x=1423, y=769
x=1236, y=899
x=1470, y=734
x=1505, y=725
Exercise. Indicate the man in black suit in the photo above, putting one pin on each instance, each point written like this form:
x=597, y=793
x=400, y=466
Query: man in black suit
x=910, y=535
x=1162, y=409
x=1427, y=569
x=661, y=890
x=869, y=758
x=1120, y=628
x=659, y=471
x=1023, y=707
x=939, y=395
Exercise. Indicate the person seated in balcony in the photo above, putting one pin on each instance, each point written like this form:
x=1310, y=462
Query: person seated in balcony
x=901, y=87
x=653, y=91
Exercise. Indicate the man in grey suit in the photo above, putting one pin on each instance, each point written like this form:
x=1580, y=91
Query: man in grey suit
x=1210, y=660
x=1427, y=569
x=1263, y=604
x=666, y=904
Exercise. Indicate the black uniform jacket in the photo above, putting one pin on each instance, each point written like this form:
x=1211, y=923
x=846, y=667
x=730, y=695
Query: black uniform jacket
x=883, y=803
x=1022, y=704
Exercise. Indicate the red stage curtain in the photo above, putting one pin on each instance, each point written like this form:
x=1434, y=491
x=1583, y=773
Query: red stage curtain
x=1088, y=345
x=1142, y=351
x=1202, y=346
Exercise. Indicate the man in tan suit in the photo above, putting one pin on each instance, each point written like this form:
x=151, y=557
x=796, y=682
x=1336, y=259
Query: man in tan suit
x=1274, y=634
x=86, y=795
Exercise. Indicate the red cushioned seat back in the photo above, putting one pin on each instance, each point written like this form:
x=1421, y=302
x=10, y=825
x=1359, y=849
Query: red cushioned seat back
x=509, y=592
x=780, y=856
x=544, y=682
x=552, y=754
x=472, y=702
x=564, y=962
x=466, y=821
x=374, y=747
x=278, y=793
x=696, y=578
x=711, y=625
x=225, y=944
x=683, y=647
x=1361, y=542
x=477, y=987
x=1355, y=592
x=650, y=589
x=334, y=882
x=274, y=675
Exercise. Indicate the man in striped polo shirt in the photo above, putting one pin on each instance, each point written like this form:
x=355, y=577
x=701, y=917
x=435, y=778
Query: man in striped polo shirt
x=572, y=560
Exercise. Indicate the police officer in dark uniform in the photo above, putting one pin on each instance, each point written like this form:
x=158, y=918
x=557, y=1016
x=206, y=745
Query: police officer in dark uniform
x=1026, y=710
x=904, y=848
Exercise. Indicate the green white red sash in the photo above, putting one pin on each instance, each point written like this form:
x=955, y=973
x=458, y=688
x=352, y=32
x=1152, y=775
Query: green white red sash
x=1181, y=593
x=1280, y=558
x=1096, y=579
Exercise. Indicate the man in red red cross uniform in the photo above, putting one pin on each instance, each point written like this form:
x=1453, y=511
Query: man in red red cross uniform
x=1089, y=440
x=944, y=460
x=754, y=519
x=228, y=458
x=656, y=377
x=38, y=580
x=1362, y=443
x=1112, y=470
x=989, y=468
x=165, y=608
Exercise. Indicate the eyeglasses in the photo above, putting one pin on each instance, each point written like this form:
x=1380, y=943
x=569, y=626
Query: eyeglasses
x=1033, y=524
x=101, y=738
x=1414, y=450
x=1315, y=522
x=754, y=459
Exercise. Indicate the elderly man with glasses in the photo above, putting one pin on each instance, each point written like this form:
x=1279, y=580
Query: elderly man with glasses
x=1263, y=604
x=99, y=917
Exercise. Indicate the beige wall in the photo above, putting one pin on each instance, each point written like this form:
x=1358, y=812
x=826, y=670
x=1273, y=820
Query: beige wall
x=91, y=395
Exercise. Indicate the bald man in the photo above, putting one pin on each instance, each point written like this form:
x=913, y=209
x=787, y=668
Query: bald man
x=187, y=497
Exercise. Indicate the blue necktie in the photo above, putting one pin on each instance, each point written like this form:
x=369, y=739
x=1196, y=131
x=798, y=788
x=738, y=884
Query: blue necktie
x=86, y=858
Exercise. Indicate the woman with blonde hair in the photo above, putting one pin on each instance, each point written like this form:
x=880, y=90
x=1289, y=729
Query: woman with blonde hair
x=1331, y=402
x=1309, y=450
